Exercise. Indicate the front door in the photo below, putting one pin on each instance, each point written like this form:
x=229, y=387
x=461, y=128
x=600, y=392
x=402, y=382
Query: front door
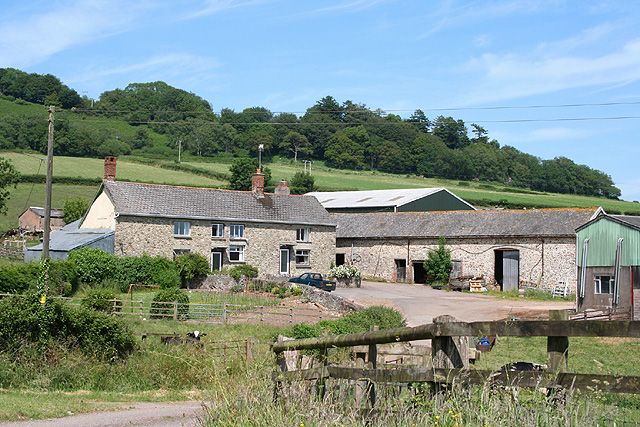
x=284, y=261
x=510, y=270
x=216, y=260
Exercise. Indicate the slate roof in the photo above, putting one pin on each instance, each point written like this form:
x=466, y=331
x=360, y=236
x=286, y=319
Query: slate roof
x=151, y=200
x=375, y=198
x=55, y=213
x=629, y=219
x=463, y=224
x=71, y=237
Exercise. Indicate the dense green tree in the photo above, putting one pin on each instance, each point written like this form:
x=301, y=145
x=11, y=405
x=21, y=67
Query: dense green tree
x=74, y=209
x=37, y=88
x=302, y=182
x=242, y=169
x=297, y=144
x=9, y=177
x=343, y=152
x=453, y=132
x=420, y=121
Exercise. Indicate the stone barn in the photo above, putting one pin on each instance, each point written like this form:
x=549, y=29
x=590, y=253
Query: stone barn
x=608, y=264
x=32, y=220
x=508, y=248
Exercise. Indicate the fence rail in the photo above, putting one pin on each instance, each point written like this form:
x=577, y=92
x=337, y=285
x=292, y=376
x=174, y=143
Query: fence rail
x=449, y=356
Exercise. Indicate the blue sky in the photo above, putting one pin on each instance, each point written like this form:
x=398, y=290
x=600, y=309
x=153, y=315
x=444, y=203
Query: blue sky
x=394, y=55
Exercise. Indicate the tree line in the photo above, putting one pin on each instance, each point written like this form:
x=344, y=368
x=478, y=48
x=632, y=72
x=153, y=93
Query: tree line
x=345, y=135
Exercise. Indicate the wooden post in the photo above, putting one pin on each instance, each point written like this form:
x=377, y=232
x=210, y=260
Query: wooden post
x=281, y=366
x=175, y=310
x=248, y=352
x=558, y=347
x=224, y=313
x=373, y=363
x=361, y=386
x=291, y=315
x=448, y=352
x=321, y=384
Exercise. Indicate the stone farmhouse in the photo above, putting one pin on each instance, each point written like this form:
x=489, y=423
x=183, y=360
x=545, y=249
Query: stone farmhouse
x=508, y=248
x=279, y=233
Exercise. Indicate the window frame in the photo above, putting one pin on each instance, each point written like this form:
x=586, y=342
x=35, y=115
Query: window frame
x=177, y=227
x=597, y=284
x=240, y=251
x=236, y=226
x=305, y=232
x=219, y=227
x=307, y=256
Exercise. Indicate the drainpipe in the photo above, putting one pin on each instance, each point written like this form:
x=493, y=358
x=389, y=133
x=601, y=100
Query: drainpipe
x=616, y=281
x=409, y=270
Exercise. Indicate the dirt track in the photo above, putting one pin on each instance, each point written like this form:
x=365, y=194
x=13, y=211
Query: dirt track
x=420, y=304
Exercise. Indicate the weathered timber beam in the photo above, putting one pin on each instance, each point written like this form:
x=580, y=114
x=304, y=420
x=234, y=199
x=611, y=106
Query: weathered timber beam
x=541, y=379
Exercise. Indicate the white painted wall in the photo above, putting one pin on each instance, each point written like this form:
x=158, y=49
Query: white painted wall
x=101, y=214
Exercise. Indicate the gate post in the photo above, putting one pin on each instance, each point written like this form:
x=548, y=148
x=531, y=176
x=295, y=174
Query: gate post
x=558, y=347
x=448, y=352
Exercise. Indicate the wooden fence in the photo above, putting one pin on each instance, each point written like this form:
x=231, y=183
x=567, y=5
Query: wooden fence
x=449, y=356
x=603, y=314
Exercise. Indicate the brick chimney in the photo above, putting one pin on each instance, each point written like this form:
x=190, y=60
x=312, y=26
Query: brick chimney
x=257, y=184
x=282, y=189
x=110, y=168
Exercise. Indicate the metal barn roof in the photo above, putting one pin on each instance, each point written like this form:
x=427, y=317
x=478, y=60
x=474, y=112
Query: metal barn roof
x=375, y=198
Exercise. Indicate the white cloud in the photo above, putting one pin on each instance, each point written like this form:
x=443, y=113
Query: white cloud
x=179, y=69
x=211, y=7
x=34, y=38
x=501, y=77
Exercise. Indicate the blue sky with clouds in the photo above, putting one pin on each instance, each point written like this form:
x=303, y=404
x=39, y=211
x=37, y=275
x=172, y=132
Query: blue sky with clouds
x=394, y=55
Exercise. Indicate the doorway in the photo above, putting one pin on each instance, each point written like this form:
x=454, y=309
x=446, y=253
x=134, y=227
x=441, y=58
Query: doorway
x=216, y=260
x=339, y=259
x=419, y=273
x=284, y=261
x=401, y=270
x=507, y=269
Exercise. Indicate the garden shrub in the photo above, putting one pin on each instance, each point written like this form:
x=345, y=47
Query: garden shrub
x=101, y=299
x=192, y=267
x=246, y=270
x=93, y=265
x=18, y=277
x=438, y=264
x=24, y=321
x=166, y=311
x=359, y=321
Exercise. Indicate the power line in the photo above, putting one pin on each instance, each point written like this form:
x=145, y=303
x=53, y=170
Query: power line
x=557, y=119
x=384, y=110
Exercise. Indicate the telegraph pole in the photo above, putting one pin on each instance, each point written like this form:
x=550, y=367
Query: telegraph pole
x=47, y=193
x=179, y=149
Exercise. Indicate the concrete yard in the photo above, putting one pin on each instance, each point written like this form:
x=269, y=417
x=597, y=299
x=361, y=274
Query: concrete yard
x=420, y=303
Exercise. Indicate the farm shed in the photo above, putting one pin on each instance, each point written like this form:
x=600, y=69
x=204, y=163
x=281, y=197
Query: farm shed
x=608, y=261
x=401, y=200
x=508, y=248
x=72, y=237
x=32, y=220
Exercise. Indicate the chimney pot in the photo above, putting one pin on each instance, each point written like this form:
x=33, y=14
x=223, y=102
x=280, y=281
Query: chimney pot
x=257, y=184
x=283, y=188
x=110, y=168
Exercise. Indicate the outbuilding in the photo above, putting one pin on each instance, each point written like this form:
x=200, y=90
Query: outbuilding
x=508, y=248
x=608, y=261
x=400, y=200
x=32, y=220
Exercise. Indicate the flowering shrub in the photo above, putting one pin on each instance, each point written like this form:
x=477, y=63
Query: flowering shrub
x=345, y=272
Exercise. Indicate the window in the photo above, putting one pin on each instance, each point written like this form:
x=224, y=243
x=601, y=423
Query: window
x=182, y=228
x=604, y=284
x=236, y=231
x=302, y=256
x=302, y=234
x=178, y=252
x=236, y=253
x=217, y=230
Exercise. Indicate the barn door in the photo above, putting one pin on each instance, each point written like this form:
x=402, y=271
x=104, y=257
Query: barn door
x=510, y=270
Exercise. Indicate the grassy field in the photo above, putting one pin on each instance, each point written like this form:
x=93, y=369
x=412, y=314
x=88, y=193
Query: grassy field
x=329, y=179
x=29, y=164
x=26, y=195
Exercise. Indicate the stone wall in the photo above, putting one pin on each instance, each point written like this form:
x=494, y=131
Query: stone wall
x=262, y=242
x=12, y=249
x=543, y=262
x=329, y=300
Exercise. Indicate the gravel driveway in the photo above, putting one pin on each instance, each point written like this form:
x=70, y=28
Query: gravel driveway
x=138, y=414
x=420, y=304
